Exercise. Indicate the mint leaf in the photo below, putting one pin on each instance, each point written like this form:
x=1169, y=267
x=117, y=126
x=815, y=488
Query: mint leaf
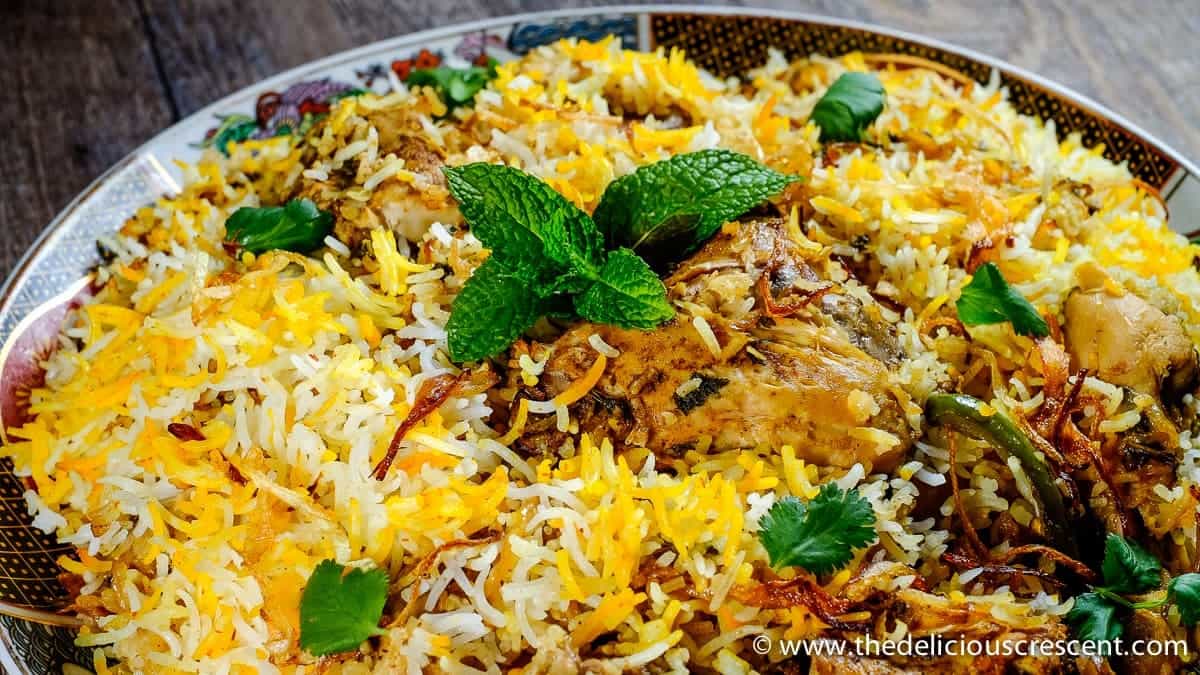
x=339, y=610
x=849, y=106
x=627, y=293
x=1094, y=618
x=522, y=219
x=989, y=299
x=820, y=536
x=1127, y=567
x=495, y=306
x=668, y=209
x=456, y=86
x=298, y=226
x=1184, y=590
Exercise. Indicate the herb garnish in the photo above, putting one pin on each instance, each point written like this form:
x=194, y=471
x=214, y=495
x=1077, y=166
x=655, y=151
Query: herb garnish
x=298, y=226
x=819, y=536
x=666, y=210
x=1129, y=569
x=548, y=257
x=456, y=86
x=989, y=299
x=495, y=306
x=339, y=609
x=543, y=248
x=849, y=106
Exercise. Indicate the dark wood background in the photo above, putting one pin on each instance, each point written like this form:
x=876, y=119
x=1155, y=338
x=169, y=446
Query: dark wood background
x=87, y=81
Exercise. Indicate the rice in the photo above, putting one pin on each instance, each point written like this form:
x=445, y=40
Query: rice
x=296, y=371
x=601, y=346
x=706, y=335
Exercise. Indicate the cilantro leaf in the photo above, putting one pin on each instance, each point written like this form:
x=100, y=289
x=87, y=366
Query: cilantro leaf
x=989, y=299
x=521, y=218
x=819, y=536
x=339, y=610
x=849, y=106
x=665, y=210
x=456, y=86
x=1094, y=617
x=495, y=307
x=1184, y=590
x=628, y=294
x=297, y=226
x=1127, y=567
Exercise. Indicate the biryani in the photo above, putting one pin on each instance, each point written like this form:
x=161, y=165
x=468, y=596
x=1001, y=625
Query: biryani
x=594, y=362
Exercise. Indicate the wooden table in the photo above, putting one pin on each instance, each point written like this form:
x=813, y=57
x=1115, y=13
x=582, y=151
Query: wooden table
x=87, y=81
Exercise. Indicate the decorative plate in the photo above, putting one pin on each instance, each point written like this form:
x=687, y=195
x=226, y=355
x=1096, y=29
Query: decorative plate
x=53, y=274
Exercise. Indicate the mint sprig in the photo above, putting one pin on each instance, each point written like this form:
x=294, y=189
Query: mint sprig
x=296, y=226
x=548, y=257
x=545, y=254
x=849, y=107
x=499, y=293
x=666, y=210
x=522, y=219
x=626, y=293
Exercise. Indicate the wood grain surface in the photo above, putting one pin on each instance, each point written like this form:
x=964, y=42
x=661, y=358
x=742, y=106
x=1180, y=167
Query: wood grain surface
x=89, y=80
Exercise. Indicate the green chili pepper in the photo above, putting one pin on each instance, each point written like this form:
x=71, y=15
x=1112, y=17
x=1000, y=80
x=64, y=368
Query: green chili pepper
x=973, y=417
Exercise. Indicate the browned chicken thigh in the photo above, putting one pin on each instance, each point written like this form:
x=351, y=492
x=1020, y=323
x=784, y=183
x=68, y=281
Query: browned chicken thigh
x=796, y=360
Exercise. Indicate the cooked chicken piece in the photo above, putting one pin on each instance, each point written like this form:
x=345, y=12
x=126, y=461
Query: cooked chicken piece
x=1127, y=341
x=1149, y=626
x=786, y=373
x=407, y=208
x=865, y=326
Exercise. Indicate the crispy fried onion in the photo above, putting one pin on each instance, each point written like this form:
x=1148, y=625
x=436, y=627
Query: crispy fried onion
x=801, y=591
x=965, y=562
x=1083, y=571
x=1052, y=421
x=803, y=297
x=426, y=564
x=432, y=395
x=951, y=323
x=972, y=537
x=778, y=310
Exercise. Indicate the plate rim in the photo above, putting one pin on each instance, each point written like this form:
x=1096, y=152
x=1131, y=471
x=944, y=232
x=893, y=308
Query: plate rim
x=46, y=236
